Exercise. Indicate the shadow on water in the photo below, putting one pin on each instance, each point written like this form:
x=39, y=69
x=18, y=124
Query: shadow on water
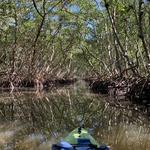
x=33, y=121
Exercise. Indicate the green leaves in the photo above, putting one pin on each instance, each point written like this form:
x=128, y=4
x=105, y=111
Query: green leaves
x=68, y=27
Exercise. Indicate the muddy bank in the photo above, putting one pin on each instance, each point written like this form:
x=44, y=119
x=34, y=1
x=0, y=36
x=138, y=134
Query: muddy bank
x=42, y=84
x=135, y=89
x=99, y=86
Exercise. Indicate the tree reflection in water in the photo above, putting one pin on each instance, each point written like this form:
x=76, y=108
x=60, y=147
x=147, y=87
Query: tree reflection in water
x=36, y=120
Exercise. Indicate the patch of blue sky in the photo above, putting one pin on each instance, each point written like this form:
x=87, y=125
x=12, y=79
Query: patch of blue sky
x=69, y=25
x=74, y=8
x=89, y=37
x=52, y=10
x=146, y=1
x=54, y=18
x=24, y=4
x=17, y=4
x=90, y=24
x=99, y=5
x=29, y=16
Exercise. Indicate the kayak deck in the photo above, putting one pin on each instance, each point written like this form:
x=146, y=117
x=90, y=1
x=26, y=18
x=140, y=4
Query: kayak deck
x=74, y=137
x=79, y=139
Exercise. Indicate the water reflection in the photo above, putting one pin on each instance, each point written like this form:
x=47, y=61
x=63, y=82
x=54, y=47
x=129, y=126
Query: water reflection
x=36, y=120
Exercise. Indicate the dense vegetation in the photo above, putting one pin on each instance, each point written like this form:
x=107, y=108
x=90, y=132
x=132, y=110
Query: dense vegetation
x=104, y=42
x=68, y=38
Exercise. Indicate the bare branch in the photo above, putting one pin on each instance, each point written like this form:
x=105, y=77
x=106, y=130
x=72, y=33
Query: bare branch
x=35, y=6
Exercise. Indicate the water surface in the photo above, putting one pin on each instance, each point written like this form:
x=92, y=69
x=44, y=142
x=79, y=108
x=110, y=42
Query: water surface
x=33, y=121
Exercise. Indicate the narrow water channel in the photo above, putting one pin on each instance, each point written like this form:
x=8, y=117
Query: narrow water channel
x=33, y=121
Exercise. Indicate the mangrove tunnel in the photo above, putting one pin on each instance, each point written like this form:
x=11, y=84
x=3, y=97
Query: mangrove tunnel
x=65, y=62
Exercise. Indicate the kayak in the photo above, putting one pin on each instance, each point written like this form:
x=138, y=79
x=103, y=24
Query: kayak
x=79, y=139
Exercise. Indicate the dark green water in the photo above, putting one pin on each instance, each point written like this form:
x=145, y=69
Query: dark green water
x=33, y=121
